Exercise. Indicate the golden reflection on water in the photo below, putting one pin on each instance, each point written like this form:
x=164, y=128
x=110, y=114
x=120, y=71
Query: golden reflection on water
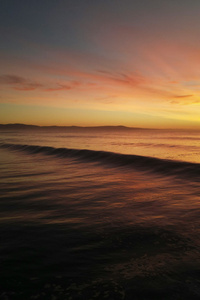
x=166, y=144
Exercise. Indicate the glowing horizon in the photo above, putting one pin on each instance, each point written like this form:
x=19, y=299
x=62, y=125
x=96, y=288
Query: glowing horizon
x=92, y=64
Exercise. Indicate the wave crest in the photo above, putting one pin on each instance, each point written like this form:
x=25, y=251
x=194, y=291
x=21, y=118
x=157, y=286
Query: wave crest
x=144, y=163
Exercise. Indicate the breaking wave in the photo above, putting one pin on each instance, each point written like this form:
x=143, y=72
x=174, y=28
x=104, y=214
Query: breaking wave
x=144, y=163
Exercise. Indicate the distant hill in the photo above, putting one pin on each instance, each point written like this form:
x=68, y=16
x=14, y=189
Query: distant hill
x=18, y=126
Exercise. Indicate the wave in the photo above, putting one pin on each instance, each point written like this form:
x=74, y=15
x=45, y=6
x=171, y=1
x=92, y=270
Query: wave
x=144, y=163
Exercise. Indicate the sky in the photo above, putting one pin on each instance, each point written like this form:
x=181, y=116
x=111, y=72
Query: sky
x=100, y=62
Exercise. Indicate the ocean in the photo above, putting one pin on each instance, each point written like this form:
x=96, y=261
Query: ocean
x=100, y=213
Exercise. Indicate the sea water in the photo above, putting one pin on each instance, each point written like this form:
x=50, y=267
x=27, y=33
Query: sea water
x=99, y=214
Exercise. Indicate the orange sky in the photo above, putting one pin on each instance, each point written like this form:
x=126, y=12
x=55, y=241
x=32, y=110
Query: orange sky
x=101, y=63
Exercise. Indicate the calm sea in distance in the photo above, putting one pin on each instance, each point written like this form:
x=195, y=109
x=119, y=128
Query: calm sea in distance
x=99, y=214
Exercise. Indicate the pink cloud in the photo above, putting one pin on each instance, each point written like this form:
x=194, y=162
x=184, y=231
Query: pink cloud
x=183, y=96
x=22, y=84
x=19, y=83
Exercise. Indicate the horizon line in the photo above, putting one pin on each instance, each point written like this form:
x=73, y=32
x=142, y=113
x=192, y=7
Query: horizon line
x=90, y=127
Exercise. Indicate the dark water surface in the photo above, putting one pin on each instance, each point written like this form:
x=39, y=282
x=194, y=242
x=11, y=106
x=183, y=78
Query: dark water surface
x=97, y=225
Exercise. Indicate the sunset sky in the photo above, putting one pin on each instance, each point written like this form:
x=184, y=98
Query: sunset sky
x=100, y=62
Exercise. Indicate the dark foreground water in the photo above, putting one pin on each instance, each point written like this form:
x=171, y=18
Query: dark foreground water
x=97, y=225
